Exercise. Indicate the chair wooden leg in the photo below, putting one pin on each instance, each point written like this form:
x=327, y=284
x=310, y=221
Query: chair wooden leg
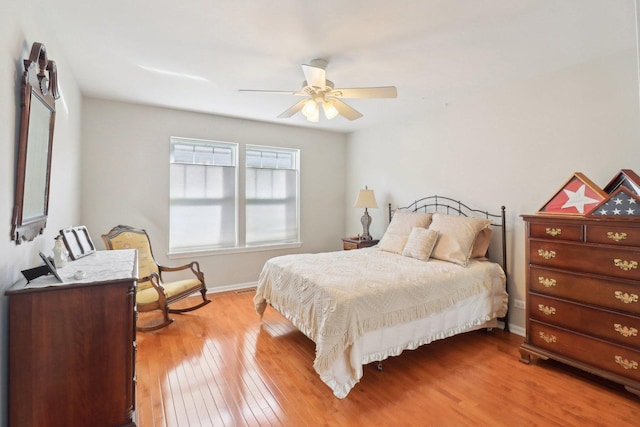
x=154, y=327
x=166, y=322
x=204, y=302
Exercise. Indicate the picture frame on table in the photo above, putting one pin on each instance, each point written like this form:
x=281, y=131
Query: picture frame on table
x=43, y=270
x=77, y=241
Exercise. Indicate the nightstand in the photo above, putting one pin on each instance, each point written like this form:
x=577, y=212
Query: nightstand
x=355, y=243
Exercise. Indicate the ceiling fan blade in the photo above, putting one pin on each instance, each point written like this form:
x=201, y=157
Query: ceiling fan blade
x=280, y=92
x=365, y=92
x=315, y=76
x=346, y=111
x=292, y=110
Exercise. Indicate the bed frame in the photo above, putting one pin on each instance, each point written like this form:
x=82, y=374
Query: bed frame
x=451, y=206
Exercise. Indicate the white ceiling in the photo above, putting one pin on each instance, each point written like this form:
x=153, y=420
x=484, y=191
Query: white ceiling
x=196, y=54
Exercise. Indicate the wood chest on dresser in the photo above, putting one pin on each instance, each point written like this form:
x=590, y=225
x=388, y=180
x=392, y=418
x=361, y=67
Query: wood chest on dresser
x=583, y=295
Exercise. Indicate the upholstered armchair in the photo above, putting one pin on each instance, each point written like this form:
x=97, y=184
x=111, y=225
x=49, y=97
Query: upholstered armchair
x=153, y=292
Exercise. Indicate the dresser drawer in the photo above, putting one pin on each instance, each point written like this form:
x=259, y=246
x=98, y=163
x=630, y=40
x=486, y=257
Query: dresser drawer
x=621, y=262
x=355, y=243
x=608, y=293
x=556, y=231
x=349, y=245
x=608, y=325
x=613, y=234
x=609, y=357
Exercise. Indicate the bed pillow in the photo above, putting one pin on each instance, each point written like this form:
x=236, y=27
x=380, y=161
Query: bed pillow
x=399, y=229
x=420, y=243
x=481, y=244
x=457, y=235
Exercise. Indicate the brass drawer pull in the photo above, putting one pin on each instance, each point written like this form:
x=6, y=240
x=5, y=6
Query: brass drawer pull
x=625, y=265
x=616, y=237
x=553, y=232
x=625, y=331
x=626, y=363
x=546, y=309
x=548, y=338
x=547, y=283
x=546, y=254
x=625, y=297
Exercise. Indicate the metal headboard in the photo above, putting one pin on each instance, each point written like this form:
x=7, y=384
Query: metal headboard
x=451, y=206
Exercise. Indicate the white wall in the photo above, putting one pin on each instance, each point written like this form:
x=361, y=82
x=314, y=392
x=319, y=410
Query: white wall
x=18, y=31
x=513, y=145
x=126, y=178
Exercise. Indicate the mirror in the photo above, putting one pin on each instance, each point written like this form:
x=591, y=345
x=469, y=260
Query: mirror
x=35, y=144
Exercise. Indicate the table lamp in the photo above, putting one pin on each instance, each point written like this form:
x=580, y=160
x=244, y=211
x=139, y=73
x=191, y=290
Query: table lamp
x=366, y=199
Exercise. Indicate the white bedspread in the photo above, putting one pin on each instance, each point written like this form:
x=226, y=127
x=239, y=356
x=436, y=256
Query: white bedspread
x=334, y=298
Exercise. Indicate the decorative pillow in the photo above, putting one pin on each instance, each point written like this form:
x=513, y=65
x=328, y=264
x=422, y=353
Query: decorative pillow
x=420, y=243
x=457, y=235
x=392, y=242
x=481, y=244
x=399, y=229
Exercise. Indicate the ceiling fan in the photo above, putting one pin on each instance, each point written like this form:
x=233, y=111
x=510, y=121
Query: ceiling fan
x=317, y=91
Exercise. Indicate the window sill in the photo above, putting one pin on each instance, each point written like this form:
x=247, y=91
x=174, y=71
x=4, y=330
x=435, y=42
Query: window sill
x=238, y=250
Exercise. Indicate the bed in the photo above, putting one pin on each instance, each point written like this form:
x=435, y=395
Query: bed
x=439, y=270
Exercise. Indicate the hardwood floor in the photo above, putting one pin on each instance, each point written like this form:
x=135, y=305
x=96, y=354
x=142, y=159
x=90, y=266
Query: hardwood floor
x=222, y=366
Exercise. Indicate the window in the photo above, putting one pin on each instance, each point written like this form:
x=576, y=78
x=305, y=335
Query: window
x=202, y=195
x=206, y=199
x=271, y=195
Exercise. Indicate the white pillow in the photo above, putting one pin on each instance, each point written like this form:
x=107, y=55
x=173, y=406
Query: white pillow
x=399, y=229
x=420, y=243
x=457, y=235
x=481, y=244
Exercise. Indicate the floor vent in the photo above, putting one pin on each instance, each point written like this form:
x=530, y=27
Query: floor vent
x=245, y=291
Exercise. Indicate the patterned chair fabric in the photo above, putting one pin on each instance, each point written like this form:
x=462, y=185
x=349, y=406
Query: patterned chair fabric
x=153, y=293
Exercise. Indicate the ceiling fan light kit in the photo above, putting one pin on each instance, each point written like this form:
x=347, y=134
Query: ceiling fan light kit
x=319, y=90
x=330, y=111
x=311, y=110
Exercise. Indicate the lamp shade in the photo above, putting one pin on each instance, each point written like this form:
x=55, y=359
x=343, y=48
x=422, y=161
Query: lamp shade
x=314, y=116
x=366, y=199
x=310, y=108
x=330, y=111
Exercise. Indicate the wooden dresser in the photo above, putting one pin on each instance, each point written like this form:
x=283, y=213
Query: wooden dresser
x=583, y=291
x=72, y=345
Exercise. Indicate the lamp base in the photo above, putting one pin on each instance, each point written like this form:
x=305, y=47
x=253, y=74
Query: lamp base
x=366, y=222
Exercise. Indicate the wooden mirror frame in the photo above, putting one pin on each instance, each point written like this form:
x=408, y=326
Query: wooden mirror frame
x=35, y=144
